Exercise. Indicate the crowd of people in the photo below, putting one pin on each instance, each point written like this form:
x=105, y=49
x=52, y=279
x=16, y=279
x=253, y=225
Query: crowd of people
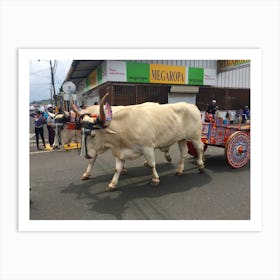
x=46, y=116
x=42, y=117
x=238, y=117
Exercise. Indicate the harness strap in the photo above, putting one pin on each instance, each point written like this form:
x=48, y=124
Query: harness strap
x=84, y=150
x=87, y=127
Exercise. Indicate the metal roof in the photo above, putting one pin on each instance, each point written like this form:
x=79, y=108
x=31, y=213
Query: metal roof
x=80, y=69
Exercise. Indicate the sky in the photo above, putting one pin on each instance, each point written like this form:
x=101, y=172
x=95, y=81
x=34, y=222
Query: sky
x=40, y=77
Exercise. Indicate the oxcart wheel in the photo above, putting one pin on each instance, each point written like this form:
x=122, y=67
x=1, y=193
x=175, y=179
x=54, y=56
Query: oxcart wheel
x=237, y=149
x=191, y=149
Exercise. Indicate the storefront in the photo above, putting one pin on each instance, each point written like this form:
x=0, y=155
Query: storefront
x=170, y=81
x=232, y=90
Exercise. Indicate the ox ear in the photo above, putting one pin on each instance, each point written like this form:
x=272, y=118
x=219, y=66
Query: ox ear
x=63, y=114
x=109, y=131
x=59, y=116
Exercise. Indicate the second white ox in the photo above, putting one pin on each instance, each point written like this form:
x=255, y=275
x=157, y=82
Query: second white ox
x=69, y=135
x=138, y=131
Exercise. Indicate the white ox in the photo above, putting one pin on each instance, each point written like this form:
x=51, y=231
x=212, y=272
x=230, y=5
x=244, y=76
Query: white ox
x=69, y=135
x=138, y=131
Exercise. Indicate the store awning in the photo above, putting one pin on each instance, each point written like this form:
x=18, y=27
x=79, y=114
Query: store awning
x=80, y=69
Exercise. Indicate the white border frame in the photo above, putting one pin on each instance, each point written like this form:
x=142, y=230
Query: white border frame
x=254, y=224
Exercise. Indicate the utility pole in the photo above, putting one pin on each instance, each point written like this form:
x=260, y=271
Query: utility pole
x=53, y=86
x=51, y=96
x=54, y=94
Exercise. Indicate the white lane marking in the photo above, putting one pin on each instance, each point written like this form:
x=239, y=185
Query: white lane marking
x=44, y=151
x=31, y=135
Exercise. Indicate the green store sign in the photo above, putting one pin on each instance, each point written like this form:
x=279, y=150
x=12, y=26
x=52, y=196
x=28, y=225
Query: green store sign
x=195, y=76
x=137, y=72
x=142, y=73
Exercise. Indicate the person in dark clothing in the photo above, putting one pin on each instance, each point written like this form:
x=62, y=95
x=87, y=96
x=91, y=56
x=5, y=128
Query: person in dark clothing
x=39, y=128
x=50, y=124
x=211, y=111
x=246, y=114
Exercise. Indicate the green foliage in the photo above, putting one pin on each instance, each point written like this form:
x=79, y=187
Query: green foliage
x=42, y=102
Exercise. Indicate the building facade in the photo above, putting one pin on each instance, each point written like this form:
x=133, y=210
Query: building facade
x=163, y=81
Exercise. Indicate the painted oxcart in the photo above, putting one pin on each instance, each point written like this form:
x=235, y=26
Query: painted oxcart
x=234, y=138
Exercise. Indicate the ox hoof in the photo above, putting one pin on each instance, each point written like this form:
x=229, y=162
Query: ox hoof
x=111, y=189
x=146, y=164
x=169, y=159
x=155, y=182
x=124, y=171
x=85, y=177
x=179, y=173
x=201, y=170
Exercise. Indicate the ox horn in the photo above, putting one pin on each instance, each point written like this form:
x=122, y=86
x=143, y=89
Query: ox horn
x=102, y=113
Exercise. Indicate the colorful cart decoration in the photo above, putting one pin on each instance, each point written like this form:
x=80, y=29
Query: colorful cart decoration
x=235, y=139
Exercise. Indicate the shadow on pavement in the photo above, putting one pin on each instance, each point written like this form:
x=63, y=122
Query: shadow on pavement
x=134, y=186
x=218, y=164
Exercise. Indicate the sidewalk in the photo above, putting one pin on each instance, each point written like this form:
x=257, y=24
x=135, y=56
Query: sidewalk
x=33, y=146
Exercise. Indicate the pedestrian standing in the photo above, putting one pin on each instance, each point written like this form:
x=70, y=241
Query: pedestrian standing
x=50, y=124
x=39, y=128
x=238, y=116
x=246, y=115
x=211, y=111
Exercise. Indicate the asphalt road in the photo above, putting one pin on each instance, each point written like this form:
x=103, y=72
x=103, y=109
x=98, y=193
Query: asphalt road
x=220, y=193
